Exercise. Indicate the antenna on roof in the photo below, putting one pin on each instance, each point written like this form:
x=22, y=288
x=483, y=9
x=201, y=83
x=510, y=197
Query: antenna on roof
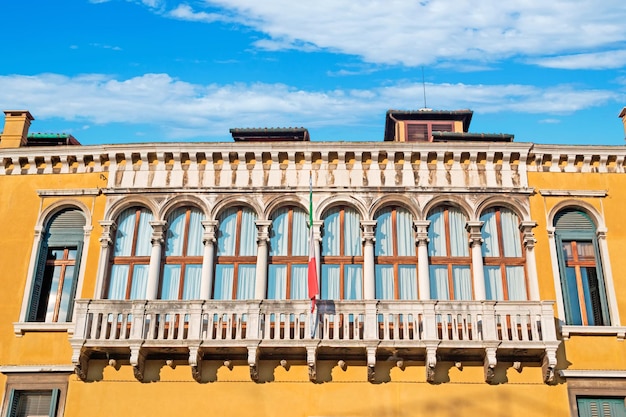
x=424, y=86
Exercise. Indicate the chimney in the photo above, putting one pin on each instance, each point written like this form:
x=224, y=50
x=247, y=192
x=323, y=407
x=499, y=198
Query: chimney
x=16, y=124
x=622, y=115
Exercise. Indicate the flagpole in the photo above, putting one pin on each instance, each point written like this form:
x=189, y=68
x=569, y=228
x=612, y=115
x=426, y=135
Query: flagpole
x=312, y=266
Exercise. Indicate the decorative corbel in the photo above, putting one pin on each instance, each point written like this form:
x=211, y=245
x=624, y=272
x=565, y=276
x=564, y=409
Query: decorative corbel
x=138, y=360
x=548, y=365
x=490, y=363
x=253, y=363
x=195, y=362
x=431, y=363
x=80, y=359
x=311, y=360
x=371, y=364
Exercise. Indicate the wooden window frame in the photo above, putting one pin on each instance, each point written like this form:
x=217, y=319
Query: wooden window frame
x=395, y=259
x=452, y=261
x=504, y=261
x=429, y=128
x=235, y=259
x=342, y=260
x=182, y=260
x=132, y=260
x=36, y=381
x=288, y=260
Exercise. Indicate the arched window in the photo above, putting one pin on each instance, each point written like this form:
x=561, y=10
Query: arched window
x=288, y=255
x=342, y=255
x=183, y=255
x=582, y=281
x=56, y=272
x=396, y=256
x=131, y=255
x=448, y=249
x=235, y=267
x=503, y=255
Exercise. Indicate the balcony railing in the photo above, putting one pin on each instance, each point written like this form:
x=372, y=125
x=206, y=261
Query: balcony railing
x=422, y=329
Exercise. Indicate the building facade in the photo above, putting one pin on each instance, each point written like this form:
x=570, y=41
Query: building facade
x=459, y=274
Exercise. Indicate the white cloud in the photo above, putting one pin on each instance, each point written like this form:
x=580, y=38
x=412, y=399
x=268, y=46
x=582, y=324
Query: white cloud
x=596, y=60
x=414, y=33
x=185, y=12
x=181, y=109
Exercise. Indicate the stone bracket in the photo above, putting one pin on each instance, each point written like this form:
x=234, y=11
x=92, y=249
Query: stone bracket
x=431, y=362
x=195, y=362
x=549, y=364
x=311, y=360
x=80, y=360
x=490, y=363
x=253, y=362
x=371, y=363
x=138, y=361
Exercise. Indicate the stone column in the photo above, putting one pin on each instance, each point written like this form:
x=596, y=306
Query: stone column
x=158, y=237
x=526, y=228
x=106, y=242
x=476, y=247
x=369, y=275
x=423, y=272
x=208, y=258
x=262, y=253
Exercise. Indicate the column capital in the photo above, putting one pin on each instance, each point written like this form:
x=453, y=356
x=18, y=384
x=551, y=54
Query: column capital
x=421, y=231
x=263, y=227
x=158, y=232
x=526, y=227
x=108, y=227
x=209, y=231
x=475, y=234
x=317, y=229
x=369, y=230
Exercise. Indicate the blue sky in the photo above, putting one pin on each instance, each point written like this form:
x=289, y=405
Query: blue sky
x=112, y=71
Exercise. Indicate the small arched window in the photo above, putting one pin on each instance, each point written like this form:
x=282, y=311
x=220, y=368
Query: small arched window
x=342, y=255
x=182, y=267
x=504, y=260
x=56, y=272
x=235, y=267
x=448, y=249
x=131, y=255
x=582, y=280
x=396, y=256
x=288, y=255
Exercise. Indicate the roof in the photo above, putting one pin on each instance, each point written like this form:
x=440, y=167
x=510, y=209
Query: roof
x=51, y=139
x=275, y=134
x=471, y=137
x=393, y=116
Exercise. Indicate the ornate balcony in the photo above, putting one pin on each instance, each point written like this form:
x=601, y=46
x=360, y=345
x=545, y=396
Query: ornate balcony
x=424, y=331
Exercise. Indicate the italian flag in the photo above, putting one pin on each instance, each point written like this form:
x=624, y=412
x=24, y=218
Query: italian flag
x=313, y=287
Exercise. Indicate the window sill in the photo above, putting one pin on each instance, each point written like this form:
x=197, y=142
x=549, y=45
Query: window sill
x=20, y=328
x=618, y=331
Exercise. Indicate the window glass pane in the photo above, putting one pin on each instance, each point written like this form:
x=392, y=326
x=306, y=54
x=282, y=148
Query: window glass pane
x=67, y=295
x=248, y=243
x=191, y=284
x=52, y=293
x=384, y=282
x=458, y=235
x=277, y=282
x=144, y=234
x=299, y=282
x=439, y=282
x=352, y=233
x=71, y=253
x=493, y=283
x=331, y=238
x=171, y=282
x=575, y=314
x=516, y=283
x=117, y=282
x=300, y=231
x=124, y=233
x=585, y=251
x=384, y=234
x=34, y=403
x=245, y=282
x=489, y=234
x=224, y=282
x=175, y=233
x=330, y=282
x=226, y=233
x=404, y=233
x=511, y=238
x=437, y=234
x=461, y=277
x=195, y=246
x=407, y=282
x=139, y=282
x=353, y=279
x=279, y=233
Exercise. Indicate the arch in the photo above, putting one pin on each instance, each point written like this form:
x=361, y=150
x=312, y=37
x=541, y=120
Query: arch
x=400, y=200
x=184, y=200
x=137, y=200
x=237, y=200
x=500, y=201
x=283, y=201
x=579, y=205
x=47, y=214
x=449, y=200
x=334, y=201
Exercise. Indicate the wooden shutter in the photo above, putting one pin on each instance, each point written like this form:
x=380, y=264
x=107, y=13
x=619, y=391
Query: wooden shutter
x=573, y=220
x=417, y=132
x=35, y=294
x=601, y=407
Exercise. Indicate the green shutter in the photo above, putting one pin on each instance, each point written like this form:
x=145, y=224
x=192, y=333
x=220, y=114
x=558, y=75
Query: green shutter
x=54, y=401
x=14, y=399
x=574, y=220
x=35, y=294
x=601, y=407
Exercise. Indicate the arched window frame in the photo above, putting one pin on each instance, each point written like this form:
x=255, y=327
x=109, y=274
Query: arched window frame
x=402, y=259
x=241, y=257
x=458, y=269
x=575, y=302
x=288, y=254
x=181, y=270
x=349, y=266
x=135, y=257
x=510, y=280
